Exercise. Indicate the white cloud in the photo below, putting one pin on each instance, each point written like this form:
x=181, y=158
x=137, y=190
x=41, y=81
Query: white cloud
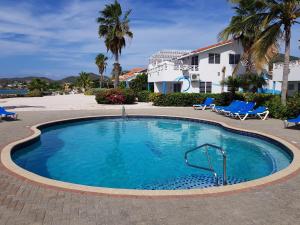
x=68, y=35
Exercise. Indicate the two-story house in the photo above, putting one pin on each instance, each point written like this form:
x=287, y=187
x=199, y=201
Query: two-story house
x=198, y=71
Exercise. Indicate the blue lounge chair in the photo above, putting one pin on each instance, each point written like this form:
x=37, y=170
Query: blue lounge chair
x=262, y=112
x=4, y=113
x=295, y=121
x=221, y=108
x=208, y=103
x=241, y=105
x=244, y=107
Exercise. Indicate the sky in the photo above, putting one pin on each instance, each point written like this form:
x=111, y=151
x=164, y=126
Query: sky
x=58, y=38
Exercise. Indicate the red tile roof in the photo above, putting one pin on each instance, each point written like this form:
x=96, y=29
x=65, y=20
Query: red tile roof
x=212, y=46
x=131, y=73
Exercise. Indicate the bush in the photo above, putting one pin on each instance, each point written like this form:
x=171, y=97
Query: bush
x=92, y=91
x=140, y=83
x=273, y=102
x=188, y=99
x=277, y=110
x=143, y=96
x=293, y=106
x=115, y=96
x=35, y=93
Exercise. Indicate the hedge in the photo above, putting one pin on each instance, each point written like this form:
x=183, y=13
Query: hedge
x=277, y=110
x=115, y=96
x=143, y=96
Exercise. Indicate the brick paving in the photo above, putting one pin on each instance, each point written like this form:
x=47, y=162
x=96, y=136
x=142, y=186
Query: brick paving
x=26, y=203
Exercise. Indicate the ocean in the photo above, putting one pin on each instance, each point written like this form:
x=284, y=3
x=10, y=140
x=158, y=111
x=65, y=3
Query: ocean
x=13, y=91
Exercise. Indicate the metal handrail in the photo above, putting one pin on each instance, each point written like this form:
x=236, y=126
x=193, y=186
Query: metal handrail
x=209, y=162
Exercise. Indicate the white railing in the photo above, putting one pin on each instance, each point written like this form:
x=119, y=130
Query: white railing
x=168, y=66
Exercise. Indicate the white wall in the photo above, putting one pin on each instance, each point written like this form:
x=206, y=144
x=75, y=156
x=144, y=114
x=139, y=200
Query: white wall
x=294, y=74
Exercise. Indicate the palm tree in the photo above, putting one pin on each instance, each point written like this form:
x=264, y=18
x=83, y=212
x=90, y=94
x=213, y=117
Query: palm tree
x=278, y=17
x=84, y=81
x=252, y=82
x=37, y=84
x=114, y=28
x=245, y=27
x=101, y=62
x=233, y=83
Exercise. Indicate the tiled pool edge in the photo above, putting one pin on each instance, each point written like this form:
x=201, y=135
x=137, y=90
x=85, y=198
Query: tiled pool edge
x=283, y=174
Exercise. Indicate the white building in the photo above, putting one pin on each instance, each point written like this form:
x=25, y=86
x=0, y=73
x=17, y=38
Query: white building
x=198, y=71
x=294, y=77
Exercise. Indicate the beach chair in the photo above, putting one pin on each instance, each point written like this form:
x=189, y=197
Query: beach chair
x=295, y=121
x=4, y=113
x=221, y=108
x=261, y=112
x=244, y=107
x=240, y=105
x=208, y=103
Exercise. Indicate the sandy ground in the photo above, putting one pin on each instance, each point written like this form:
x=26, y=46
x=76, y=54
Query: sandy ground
x=62, y=102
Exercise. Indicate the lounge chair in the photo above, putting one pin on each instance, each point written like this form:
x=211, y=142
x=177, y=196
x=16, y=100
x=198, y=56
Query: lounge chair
x=4, y=113
x=222, y=108
x=241, y=105
x=208, y=103
x=244, y=107
x=262, y=112
x=295, y=121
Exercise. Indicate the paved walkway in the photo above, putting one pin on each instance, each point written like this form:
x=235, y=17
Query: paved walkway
x=26, y=203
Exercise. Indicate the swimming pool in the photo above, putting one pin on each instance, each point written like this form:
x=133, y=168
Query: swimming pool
x=147, y=153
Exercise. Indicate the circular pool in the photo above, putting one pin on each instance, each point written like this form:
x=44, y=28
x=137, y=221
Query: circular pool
x=147, y=153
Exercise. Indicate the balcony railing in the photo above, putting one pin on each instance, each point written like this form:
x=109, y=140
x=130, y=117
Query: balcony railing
x=183, y=67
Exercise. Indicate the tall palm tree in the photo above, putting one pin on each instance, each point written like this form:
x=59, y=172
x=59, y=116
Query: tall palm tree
x=277, y=17
x=242, y=29
x=84, y=81
x=101, y=62
x=114, y=28
x=245, y=27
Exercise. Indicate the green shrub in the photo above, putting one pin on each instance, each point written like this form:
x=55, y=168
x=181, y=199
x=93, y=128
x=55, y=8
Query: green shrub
x=293, y=106
x=273, y=102
x=189, y=99
x=35, y=93
x=140, y=83
x=277, y=110
x=92, y=91
x=115, y=96
x=260, y=99
x=143, y=96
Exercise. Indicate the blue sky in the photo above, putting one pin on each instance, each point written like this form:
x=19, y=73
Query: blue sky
x=57, y=38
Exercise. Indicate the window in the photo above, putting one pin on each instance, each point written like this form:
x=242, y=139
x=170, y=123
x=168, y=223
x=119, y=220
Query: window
x=214, y=58
x=195, y=60
x=202, y=87
x=177, y=87
x=291, y=86
x=205, y=87
x=234, y=59
x=208, y=87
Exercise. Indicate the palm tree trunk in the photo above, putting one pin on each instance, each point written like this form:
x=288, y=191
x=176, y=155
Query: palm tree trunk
x=285, y=76
x=100, y=78
x=116, y=71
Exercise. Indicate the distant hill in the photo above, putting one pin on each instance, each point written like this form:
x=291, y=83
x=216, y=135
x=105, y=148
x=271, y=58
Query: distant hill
x=22, y=79
x=69, y=79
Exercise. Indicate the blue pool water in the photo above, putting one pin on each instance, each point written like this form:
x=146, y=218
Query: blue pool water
x=146, y=153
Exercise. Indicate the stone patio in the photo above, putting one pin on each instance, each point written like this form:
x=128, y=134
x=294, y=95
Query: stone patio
x=23, y=202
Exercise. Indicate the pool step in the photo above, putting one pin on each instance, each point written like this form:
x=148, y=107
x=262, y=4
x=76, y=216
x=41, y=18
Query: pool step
x=191, y=182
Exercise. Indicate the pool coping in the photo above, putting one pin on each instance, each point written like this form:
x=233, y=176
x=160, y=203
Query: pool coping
x=292, y=169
